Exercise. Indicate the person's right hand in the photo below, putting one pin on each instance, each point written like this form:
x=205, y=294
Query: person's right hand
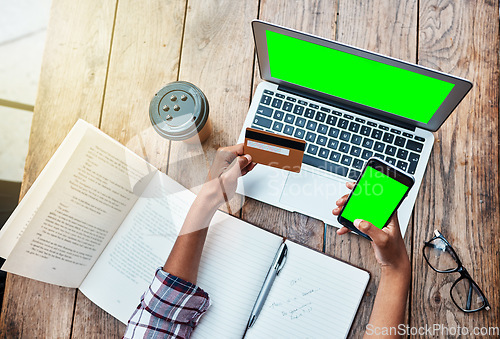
x=229, y=164
x=387, y=243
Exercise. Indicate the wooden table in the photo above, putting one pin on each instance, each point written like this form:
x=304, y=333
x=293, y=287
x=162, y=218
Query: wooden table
x=105, y=59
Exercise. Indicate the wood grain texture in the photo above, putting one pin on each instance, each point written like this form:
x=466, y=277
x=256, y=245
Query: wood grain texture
x=214, y=49
x=144, y=57
x=217, y=56
x=90, y=321
x=387, y=27
x=316, y=17
x=71, y=86
x=459, y=196
x=390, y=28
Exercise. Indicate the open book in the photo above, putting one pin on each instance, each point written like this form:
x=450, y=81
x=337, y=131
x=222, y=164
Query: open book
x=101, y=219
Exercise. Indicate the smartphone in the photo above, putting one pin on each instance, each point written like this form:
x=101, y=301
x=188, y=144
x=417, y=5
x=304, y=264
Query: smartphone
x=379, y=191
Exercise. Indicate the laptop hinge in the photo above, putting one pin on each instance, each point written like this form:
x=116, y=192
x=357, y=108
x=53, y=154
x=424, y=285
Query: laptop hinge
x=346, y=107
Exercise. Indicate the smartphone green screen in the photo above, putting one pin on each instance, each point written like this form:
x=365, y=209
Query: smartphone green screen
x=371, y=83
x=374, y=198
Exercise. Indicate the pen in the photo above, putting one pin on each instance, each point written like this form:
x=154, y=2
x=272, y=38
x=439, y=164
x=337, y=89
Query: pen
x=274, y=270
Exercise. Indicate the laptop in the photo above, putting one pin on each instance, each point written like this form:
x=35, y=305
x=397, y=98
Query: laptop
x=348, y=104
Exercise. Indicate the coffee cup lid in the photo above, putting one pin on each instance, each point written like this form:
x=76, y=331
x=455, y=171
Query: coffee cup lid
x=179, y=110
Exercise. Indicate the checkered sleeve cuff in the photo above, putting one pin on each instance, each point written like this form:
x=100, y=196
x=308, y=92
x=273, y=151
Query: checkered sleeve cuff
x=175, y=300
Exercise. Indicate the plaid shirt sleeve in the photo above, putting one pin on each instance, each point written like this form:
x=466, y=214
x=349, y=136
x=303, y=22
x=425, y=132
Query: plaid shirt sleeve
x=170, y=308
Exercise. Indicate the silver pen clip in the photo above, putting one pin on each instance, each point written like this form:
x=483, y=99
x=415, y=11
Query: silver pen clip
x=282, y=259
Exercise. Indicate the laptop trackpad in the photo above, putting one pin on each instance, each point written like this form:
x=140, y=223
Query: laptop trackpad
x=313, y=194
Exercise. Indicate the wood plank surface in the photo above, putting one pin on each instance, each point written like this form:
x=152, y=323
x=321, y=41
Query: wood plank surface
x=217, y=56
x=104, y=61
x=144, y=57
x=389, y=28
x=71, y=87
x=317, y=17
x=459, y=196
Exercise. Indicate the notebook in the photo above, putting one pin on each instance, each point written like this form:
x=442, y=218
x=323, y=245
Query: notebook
x=101, y=219
x=314, y=296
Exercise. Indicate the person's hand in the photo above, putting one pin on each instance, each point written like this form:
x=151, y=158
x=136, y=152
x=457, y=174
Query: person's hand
x=229, y=164
x=387, y=243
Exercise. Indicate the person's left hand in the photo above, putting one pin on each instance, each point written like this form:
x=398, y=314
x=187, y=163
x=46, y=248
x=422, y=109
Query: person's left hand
x=229, y=164
x=387, y=243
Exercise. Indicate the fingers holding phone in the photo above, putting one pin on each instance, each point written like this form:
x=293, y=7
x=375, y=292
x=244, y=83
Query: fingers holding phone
x=392, y=224
x=340, y=203
x=370, y=210
x=387, y=243
x=378, y=192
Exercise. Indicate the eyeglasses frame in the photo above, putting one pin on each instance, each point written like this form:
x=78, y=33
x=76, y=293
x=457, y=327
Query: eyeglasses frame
x=460, y=269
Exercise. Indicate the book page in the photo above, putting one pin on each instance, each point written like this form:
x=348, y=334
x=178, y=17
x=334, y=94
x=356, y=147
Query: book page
x=233, y=267
x=23, y=214
x=141, y=245
x=314, y=296
x=98, y=186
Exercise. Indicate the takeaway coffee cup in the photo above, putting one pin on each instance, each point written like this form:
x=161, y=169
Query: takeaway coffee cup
x=179, y=111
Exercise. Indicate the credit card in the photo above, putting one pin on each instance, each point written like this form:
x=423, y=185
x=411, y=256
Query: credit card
x=274, y=150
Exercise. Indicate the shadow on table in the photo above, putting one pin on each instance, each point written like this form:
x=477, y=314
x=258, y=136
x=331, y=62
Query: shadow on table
x=9, y=197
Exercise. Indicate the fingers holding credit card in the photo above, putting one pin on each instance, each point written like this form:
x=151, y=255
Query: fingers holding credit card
x=274, y=150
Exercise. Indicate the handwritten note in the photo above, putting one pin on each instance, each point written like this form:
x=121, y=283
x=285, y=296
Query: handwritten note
x=298, y=303
x=311, y=289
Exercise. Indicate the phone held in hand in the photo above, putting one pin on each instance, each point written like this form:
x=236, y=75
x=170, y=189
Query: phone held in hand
x=379, y=191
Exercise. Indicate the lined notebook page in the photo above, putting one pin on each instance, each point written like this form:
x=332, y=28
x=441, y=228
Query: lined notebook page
x=233, y=267
x=314, y=296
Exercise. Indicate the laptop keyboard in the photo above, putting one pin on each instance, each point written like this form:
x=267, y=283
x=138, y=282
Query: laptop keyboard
x=336, y=142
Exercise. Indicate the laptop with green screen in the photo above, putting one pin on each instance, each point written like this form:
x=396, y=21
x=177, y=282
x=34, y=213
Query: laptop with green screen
x=348, y=104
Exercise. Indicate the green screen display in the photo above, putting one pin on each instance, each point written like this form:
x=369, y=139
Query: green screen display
x=350, y=77
x=374, y=199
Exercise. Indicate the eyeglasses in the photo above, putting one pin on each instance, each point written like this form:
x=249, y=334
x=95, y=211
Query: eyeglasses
x=464, y=292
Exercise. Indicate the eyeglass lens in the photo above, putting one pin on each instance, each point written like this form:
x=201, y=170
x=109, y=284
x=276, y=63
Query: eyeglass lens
x=466, y=295
x=440, y=255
